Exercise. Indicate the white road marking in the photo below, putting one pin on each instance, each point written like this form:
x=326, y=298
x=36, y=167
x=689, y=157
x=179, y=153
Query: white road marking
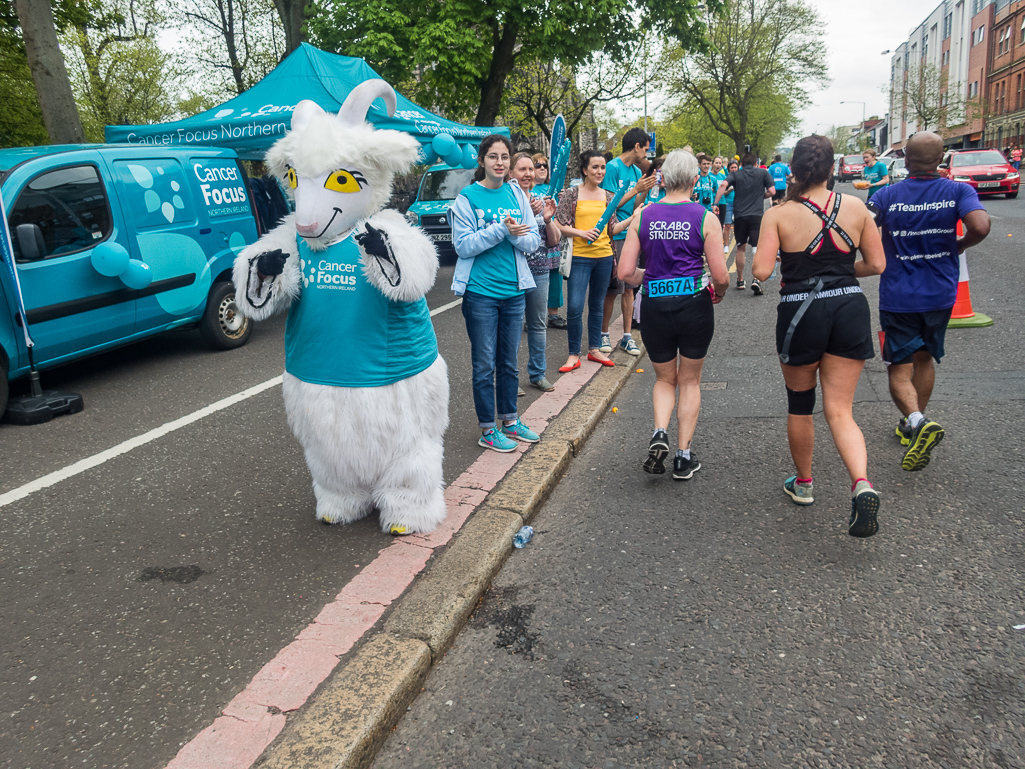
x=77, y=468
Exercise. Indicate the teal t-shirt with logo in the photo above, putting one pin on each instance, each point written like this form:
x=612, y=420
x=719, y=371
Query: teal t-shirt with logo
x=874, y=173
x=619, y=174
x=337, y=304
x=494, y=271
x=705, y=189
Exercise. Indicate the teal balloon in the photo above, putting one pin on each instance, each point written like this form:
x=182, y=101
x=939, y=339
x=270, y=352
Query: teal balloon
x=444, y=144
x=110, y=259
x=138, y=275
x=469, y=157
x=454, y=157
x=427, y=155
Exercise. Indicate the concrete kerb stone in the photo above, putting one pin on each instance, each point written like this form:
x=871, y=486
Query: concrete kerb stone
x=350, y=717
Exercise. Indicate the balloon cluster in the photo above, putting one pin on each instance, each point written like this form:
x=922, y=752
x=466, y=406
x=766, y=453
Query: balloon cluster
x=445, y=146
x=112, y=260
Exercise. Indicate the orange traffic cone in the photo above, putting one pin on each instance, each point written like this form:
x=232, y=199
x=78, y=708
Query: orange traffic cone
x=963, y=315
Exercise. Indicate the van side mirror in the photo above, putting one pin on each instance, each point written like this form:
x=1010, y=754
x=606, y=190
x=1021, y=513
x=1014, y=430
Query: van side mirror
x=944, y=166
x=30, y=241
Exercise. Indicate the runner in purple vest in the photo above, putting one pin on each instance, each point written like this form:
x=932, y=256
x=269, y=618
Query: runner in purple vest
x=680, y=244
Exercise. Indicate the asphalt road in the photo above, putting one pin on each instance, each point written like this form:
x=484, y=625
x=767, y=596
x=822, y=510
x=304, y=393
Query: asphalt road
x=713, y=623
x=142, y=595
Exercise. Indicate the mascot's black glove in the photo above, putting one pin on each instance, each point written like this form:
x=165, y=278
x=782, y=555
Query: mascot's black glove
x=372, y=241
x=272, y=263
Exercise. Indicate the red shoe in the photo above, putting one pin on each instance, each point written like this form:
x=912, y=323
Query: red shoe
x=567, y=369
x=596, y=359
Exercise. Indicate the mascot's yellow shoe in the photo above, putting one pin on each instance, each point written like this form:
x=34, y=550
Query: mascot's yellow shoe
x=397, y=531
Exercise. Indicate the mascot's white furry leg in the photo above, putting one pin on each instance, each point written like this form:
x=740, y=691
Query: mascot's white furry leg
x=399, y=472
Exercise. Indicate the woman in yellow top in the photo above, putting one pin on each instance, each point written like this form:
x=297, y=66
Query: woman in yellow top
x=579, y=210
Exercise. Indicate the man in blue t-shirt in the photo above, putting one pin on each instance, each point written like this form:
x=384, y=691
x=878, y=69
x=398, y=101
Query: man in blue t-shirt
x=780, y=173
x=625, y=171
x=917, y=290
x=875, y=172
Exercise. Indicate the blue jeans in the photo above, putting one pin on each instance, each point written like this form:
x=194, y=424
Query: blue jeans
x=537, y=325
x=586, y=272
x=493, y=326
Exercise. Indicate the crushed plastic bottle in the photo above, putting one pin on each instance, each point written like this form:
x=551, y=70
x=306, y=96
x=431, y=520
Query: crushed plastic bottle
x=523, y=536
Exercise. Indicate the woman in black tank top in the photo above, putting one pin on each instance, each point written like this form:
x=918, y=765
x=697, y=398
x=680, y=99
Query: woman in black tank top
x=823, y=326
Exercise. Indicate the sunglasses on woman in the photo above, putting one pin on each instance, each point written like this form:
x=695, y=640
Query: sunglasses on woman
x=540, y=165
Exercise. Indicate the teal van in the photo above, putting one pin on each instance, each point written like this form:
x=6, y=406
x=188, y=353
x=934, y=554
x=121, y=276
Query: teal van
x=438, y=189
x=114, y=243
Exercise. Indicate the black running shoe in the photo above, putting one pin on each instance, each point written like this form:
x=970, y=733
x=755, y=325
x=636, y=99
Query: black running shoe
x=756, y=288
x=923, y=440
x=658, y=450
x=864, y=507
x=684, y=469
x=557, y=321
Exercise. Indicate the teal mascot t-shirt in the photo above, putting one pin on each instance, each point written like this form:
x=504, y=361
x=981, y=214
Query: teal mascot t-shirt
x=338, y=303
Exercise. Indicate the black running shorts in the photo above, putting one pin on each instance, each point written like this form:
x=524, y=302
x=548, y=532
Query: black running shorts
x=672, y=325
x=745, y=229
x=838, y=325
x=909, y=332
x=779, y=195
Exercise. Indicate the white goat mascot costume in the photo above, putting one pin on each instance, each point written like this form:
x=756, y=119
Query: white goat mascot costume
x=366, y=392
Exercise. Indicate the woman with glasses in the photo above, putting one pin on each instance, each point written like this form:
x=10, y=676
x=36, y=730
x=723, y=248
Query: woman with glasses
x=493, y=229
x=540, y=262
x=554, y=278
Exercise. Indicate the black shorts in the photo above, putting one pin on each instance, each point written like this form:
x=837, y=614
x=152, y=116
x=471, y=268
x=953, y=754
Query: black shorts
x=838, y=325
x=745, y=229
x=909, y=332
x=672, y=325
x=778, y=195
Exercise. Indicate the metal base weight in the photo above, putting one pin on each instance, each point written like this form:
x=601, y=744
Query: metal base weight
x=36, y=409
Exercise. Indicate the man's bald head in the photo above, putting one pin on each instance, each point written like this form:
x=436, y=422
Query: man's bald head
x=923, y=152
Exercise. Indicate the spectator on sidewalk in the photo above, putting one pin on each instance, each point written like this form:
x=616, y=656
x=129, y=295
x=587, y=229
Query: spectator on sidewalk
x=918, y=219
x=624, y=171
x=683, y=277
x=493, y=229
x=540, y=262
x=555, y=320
x=875, y=173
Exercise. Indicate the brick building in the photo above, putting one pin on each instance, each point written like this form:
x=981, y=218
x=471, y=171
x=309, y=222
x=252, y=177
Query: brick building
x=1005, y=124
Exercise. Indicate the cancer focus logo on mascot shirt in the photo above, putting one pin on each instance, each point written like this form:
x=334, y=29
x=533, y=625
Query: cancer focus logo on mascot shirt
x=328, y=273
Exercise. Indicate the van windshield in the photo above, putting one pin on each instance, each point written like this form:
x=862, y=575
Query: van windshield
x=444, y=184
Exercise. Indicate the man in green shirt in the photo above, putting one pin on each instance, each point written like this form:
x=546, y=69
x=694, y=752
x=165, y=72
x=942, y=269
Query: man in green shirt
x=625, y=171
x=875, y=172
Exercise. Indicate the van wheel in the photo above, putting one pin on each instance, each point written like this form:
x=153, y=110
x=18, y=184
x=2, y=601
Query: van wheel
x=223, y=326
x=3, y=386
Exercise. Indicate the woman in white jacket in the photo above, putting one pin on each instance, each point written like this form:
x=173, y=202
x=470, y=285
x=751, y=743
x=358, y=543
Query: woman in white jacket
x=493, y=228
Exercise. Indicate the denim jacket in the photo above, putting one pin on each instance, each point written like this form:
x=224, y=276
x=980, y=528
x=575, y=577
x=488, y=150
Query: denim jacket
x=469, y=241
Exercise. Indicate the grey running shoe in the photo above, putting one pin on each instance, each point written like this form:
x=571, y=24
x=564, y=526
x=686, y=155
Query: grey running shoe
x=543, y=384
x=801, y=493
x=923, y=440
x=864, y=507
x=557, y=321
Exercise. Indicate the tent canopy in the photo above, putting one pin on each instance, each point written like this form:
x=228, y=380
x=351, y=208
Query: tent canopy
x=252, y=121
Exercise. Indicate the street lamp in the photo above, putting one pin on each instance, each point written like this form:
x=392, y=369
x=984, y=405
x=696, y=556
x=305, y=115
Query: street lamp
x=862, y=110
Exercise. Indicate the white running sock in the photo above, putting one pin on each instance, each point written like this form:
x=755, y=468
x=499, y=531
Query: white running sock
x=915, y=419
x=658, y=430
x=685, y=453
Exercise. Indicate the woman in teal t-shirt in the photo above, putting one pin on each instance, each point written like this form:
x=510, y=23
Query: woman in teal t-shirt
x=493, y=229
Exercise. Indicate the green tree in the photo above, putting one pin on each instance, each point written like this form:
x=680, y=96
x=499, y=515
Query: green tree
x=21, y=121
x=753, y=77
x=456, y=55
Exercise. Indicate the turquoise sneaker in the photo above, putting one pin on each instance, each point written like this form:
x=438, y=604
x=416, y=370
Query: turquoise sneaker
x=520, y=432
x=494, y=440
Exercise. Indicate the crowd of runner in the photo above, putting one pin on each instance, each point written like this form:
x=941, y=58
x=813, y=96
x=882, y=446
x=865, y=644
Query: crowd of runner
x=665, y=246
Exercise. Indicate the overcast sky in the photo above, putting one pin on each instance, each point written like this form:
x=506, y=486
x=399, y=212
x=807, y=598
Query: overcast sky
x=855, y=36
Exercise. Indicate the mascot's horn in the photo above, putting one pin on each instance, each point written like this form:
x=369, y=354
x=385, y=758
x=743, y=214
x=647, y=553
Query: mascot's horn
x=357, y=103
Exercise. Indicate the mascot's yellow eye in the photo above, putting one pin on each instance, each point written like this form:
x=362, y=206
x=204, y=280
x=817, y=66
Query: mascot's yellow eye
x=293, y=180
x=345, y=181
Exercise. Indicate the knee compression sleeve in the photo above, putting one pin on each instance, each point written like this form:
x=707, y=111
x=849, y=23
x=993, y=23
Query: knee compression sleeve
x=800, y=403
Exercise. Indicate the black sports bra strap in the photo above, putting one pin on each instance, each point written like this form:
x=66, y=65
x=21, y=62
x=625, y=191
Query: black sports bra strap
x=829, y=223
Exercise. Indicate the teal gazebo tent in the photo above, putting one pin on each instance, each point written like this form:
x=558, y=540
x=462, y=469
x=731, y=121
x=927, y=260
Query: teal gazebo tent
x=252, y=121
